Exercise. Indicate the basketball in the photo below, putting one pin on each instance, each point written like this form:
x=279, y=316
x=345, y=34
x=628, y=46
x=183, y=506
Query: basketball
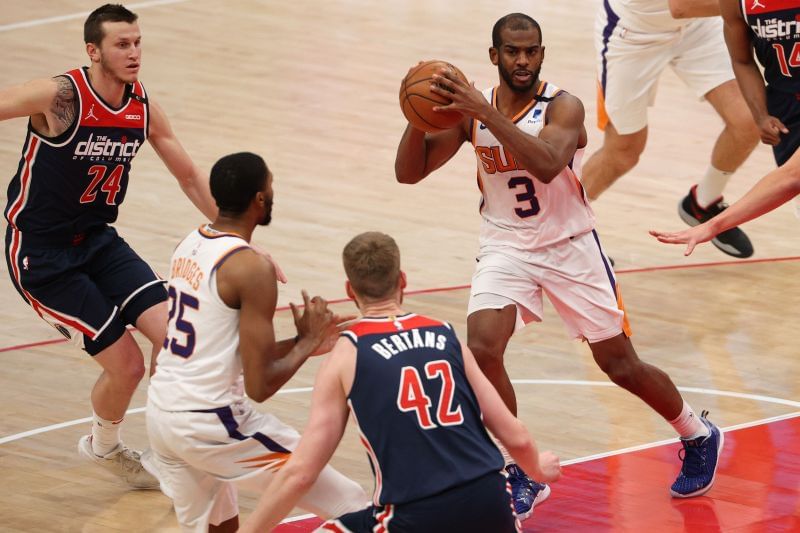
x=417, y=100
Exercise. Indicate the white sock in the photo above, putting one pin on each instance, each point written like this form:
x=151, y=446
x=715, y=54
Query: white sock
x=710, y=188
x=105, y=434
x=688, y=424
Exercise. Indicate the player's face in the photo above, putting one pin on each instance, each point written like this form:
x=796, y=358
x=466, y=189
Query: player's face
x=268, y=194
x=120, y=52
x=519, y=58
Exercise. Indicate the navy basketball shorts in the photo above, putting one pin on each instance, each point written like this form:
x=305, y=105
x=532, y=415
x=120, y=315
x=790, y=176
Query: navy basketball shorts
x=93, y=287
x=476, y=507
x=786, y=107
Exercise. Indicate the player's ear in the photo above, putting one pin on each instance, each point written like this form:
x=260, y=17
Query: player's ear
x=403, y=280
x=493, y=55
x=93, y=51
x=348, y=289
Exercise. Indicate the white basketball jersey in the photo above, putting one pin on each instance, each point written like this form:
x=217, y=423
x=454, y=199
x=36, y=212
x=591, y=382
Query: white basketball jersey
x=646, y=16
x=519, y=211
x=199, y=366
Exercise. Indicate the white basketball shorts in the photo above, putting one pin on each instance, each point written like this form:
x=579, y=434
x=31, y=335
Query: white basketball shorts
x=576, y=276
x=198, y=456
x=630, y=63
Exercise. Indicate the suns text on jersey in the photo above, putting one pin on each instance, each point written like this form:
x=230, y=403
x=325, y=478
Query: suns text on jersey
x=496, y=159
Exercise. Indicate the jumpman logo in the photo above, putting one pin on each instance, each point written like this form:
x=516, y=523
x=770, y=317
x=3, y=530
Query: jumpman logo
x=91, y=114
x=756, y=4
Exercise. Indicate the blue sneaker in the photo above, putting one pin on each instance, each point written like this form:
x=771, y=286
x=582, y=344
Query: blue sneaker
x=525, y=492
x=700, y=459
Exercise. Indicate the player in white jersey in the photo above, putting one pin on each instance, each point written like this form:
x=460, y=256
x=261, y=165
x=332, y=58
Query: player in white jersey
x=537, y=236
x=636, y=40
x=204, y=433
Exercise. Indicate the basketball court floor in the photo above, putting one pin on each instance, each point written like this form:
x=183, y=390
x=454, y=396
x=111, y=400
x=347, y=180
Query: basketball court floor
x=312, y=86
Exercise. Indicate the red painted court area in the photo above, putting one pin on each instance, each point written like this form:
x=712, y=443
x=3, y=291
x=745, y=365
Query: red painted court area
x=757, y=489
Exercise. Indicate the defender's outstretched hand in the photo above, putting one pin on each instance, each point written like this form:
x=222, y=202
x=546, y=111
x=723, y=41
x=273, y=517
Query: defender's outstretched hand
x=690, y=237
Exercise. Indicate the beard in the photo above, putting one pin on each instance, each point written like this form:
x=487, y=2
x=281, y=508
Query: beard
x=509, y=79
x=267, y=218
x=110, y=71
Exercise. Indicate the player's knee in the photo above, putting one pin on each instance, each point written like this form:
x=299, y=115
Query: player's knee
x=621, y=371
x=488, y=354
x=742, y=126
x=128, y=374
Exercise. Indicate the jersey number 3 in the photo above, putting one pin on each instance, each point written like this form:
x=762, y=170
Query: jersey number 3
x=528, y=195
x=411, y=396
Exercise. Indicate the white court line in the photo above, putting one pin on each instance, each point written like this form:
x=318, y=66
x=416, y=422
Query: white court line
x=615, y=452
x=45, y=429
x=712, y=392
x=81, y=15
x=756, y=397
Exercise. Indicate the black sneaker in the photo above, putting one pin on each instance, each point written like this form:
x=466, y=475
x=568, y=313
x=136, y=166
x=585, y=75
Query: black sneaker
x=733, y=242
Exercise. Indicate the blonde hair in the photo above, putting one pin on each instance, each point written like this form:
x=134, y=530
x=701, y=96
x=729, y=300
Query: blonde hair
x=372, y=264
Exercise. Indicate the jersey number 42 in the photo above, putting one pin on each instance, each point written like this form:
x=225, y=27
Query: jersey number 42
x=411, y=396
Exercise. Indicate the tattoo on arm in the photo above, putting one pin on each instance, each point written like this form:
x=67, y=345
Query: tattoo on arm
x=64, y=105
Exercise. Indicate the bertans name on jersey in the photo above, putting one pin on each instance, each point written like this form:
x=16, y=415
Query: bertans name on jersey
x=101, y=148
x=183, y=267
x=407, y=340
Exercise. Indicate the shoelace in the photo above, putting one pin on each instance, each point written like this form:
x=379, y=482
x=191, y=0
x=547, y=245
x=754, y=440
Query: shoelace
x=694, y=459
x=130, y=461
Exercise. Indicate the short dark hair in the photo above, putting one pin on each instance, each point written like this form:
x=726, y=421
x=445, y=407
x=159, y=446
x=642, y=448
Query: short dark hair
x=513, y=21
x=235, y=180
x=93, y=27
x=372, y=264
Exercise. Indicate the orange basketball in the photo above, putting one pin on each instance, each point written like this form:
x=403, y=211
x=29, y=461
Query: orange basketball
x=417, y=100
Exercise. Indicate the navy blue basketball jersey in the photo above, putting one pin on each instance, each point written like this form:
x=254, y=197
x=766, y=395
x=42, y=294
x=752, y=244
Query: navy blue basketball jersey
x=775, y=25
x=417, y=414
x=68, y=184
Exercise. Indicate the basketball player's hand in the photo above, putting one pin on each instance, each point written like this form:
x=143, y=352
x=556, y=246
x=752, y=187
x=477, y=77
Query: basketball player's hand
x=341, y=323
x=466, y=99
x=771, y=129
x=550, y=467
x=278, y=270
x=690, y=237
x=315, y=324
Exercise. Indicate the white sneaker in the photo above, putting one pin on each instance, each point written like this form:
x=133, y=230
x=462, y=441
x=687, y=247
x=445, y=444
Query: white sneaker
x=122, y=462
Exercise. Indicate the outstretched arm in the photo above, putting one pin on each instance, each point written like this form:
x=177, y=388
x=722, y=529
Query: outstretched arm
x=325, y=427
x=771, y=191
x=50, y=103
x=193, y=182
x=507, y=428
